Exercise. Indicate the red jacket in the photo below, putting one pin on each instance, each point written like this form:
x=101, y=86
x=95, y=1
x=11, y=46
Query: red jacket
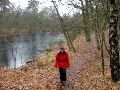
x=62, y=60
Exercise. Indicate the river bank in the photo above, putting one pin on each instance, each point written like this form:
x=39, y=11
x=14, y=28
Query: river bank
x=14, y=32
x=83, y=74
x=16, y=50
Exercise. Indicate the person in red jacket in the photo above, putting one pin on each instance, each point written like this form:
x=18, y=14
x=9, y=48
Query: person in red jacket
x=62, y=62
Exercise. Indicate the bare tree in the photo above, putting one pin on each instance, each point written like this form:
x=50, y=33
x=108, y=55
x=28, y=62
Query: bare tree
x=69, y=42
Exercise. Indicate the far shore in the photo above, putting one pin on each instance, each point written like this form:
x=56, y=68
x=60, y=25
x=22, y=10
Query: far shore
x=22, y=32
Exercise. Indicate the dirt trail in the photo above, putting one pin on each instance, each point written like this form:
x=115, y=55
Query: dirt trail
x=85, y=71
x=74, y=82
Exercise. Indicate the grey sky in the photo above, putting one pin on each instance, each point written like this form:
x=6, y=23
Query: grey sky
x=46, y=3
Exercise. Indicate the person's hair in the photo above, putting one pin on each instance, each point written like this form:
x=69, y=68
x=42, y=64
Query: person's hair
x=64, y=52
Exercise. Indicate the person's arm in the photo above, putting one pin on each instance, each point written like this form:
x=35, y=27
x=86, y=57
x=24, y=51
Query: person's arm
x=56, y=62
x=67, y=61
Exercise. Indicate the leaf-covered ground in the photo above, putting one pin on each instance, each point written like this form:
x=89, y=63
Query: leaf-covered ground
x=84, y=73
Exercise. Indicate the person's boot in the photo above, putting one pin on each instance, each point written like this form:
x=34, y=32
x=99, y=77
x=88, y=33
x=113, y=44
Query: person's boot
x=64, y=83
x=61, y=82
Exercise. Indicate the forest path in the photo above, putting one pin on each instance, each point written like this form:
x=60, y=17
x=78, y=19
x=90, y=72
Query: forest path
x=74, y=82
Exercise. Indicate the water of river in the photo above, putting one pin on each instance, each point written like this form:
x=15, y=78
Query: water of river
x=16, y=50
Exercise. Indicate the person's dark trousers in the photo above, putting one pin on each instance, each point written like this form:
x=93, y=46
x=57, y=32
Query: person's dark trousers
x=62, y=74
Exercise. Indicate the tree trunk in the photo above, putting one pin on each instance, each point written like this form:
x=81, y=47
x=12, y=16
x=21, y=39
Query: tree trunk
x=113, y=41
x=97, y=27
x=85, y=20
x=69, y=42
x=102, y=52
x=88, y=26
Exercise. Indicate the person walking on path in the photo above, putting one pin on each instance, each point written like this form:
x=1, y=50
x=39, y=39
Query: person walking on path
x=62, y=62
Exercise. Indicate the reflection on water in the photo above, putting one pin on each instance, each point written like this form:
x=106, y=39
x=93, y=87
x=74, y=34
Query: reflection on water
x=15, y=51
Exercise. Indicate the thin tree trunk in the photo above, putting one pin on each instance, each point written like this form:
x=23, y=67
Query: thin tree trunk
x=97, y=27
x=87, y=31
x=102, y=52
x=88, y=26
x=69, y=42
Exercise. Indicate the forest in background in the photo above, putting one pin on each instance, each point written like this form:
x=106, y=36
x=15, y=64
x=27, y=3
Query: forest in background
x=90, y=16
